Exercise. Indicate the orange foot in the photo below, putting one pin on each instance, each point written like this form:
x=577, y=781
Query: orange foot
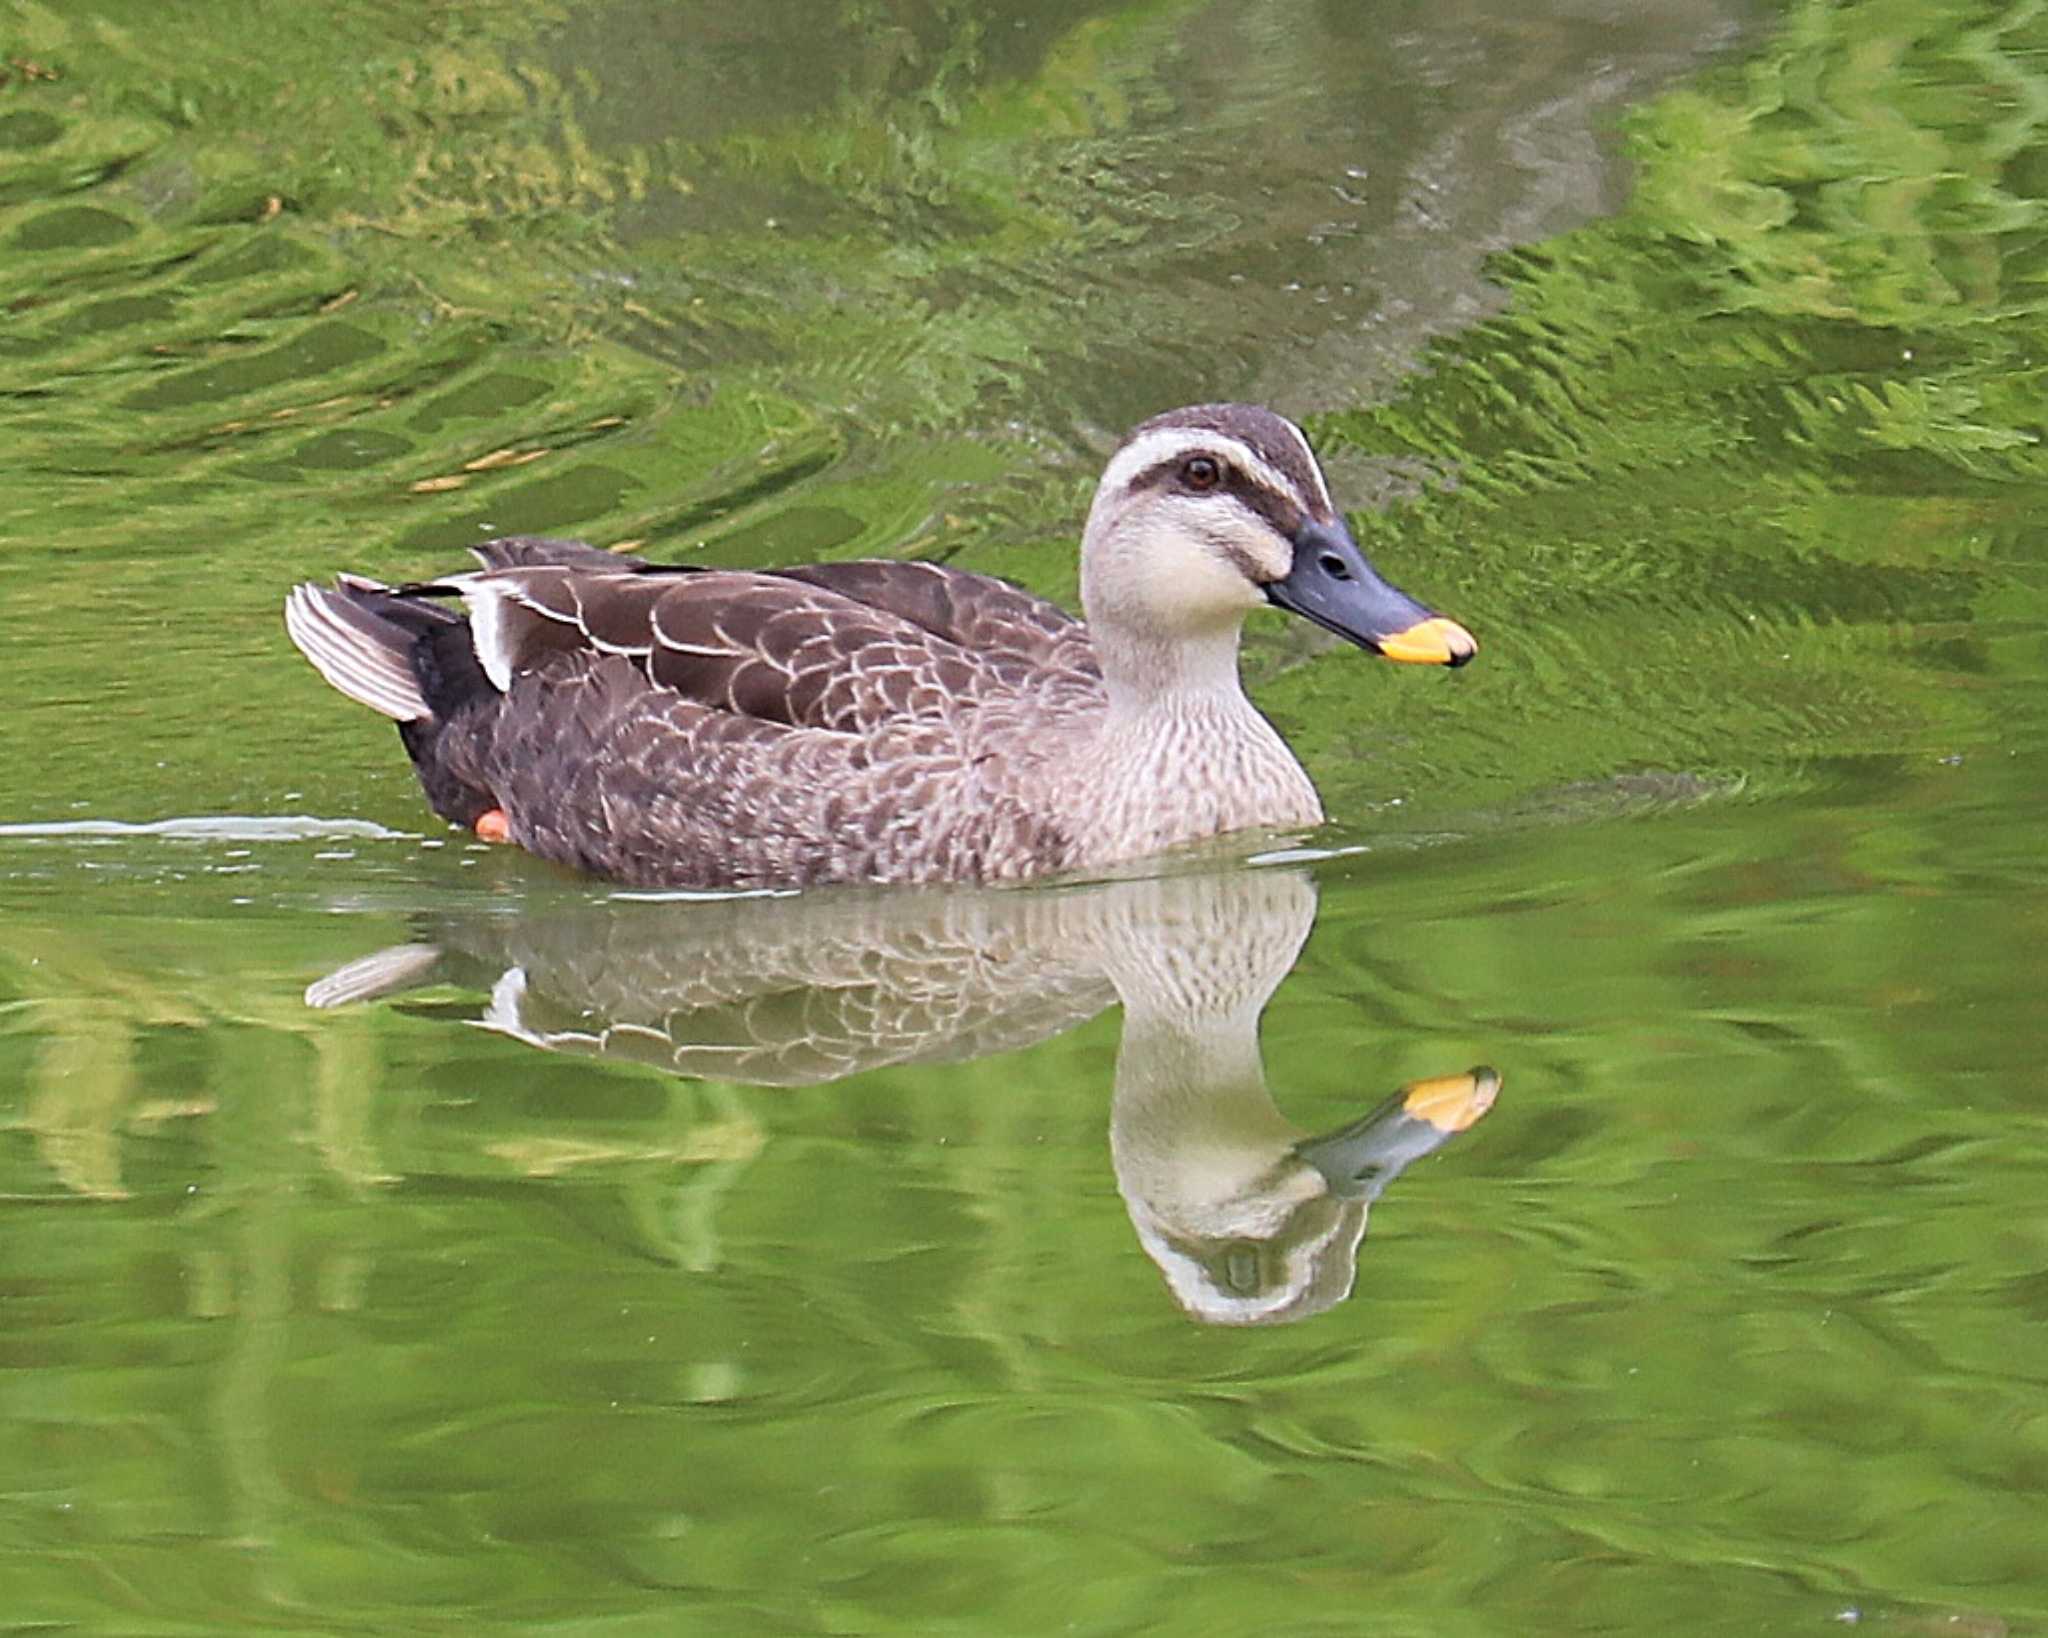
x=493, y=826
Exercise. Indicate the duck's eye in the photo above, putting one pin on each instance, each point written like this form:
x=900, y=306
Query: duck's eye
x=1201, y=472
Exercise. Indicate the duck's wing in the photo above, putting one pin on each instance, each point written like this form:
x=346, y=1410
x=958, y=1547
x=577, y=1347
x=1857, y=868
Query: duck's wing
x=599, y=770
x=534, y=551
x=976, y=611
x=773, y=647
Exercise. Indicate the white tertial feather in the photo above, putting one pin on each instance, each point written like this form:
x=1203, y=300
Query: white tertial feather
x=488, y=602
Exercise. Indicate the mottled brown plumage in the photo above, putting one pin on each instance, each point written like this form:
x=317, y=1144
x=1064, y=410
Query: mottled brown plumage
x=876, y=721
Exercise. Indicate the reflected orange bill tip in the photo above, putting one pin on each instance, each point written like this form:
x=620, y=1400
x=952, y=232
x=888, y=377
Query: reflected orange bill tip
x=1451, y=1103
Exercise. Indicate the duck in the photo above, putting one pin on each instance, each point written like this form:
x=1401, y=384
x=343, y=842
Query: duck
x=880, y=720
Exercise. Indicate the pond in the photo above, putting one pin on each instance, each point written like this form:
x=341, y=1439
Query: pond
x=1593, y=1185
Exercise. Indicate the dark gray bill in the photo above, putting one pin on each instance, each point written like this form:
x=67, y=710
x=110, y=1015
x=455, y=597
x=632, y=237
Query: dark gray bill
x=1332, y=584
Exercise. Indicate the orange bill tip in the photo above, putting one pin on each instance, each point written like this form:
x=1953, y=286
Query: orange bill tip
x=1435, y=641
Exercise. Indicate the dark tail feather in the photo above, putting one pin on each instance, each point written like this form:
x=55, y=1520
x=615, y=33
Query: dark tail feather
x=357, y=648
x=399, y=654
x=412, y=660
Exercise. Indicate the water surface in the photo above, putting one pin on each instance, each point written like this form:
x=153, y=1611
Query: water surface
x=401, y=1236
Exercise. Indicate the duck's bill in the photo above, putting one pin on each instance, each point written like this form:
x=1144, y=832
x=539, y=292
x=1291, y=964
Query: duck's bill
x=1451, y=1103
x=1332, y=584
x=1359, y=1160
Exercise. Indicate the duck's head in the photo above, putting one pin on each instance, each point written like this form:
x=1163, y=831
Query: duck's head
x=1207, y=512
x=1254, y=1223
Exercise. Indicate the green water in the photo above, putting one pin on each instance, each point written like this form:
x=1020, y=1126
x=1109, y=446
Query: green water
x=858, y=1263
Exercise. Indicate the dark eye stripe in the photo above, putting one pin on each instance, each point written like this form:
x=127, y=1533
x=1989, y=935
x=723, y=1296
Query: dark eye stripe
x=1282, y=512
x=1159, y=475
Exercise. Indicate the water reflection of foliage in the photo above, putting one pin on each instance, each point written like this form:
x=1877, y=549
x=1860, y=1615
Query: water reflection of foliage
x=1829, y=225
x=1741, y=459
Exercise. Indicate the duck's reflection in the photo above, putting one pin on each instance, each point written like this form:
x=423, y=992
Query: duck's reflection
x=1250, y=1219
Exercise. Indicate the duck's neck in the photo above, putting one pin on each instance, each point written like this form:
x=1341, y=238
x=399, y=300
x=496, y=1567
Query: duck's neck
x=1146, y=675
x=1181, y=754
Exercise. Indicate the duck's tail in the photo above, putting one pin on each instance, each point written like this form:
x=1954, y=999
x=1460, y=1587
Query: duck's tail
x=392, y=648
x=352, y=639
x=399, y=651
